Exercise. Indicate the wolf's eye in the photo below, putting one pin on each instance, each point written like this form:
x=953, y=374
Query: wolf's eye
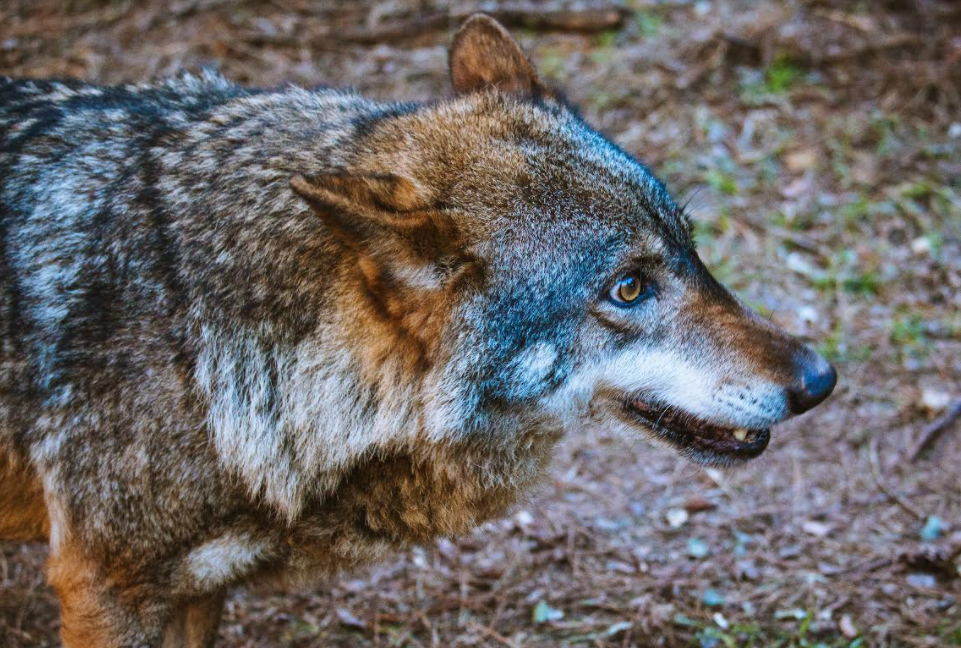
x=630, y=290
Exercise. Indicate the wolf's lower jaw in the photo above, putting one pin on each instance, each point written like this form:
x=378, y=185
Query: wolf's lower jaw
x=704, y=441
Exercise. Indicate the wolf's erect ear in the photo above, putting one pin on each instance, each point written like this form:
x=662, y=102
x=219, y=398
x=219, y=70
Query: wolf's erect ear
x=484, y=55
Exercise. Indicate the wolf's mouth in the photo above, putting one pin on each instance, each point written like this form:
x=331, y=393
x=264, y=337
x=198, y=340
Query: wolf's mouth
x=698, y=438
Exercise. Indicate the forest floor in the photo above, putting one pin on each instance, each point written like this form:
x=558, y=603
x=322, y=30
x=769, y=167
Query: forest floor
x=821, y=142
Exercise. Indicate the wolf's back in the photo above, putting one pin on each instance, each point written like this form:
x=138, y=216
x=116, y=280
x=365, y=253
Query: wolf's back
x=128, y=214
x=78, y=248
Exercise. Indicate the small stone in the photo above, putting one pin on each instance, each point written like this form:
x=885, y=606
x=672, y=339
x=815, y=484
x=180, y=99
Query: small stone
x=620, y=567
x=828, y=569
x=796, y=262
x=447, y=549
x=543, y=613
x=716, y=476
x=794, y=613
x=617, y=628
x=801, y=160
x=697, y=548
x=932, y=529
x=921, y=245
x=816, y=528
x=790, y=551
x=934, y=400
x=607, y=524
x=925, y=581
x=419, y=557
x=808, y=314
x=347, y=618
x=523, y=518
x=676, y=518
x=713, y=598
x=847, y=628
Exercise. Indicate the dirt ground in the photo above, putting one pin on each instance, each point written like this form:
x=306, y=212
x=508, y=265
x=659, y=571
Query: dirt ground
x=820, y=143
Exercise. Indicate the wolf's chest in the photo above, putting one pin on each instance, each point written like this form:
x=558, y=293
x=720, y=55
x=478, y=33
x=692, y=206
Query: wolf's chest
x=382, y=504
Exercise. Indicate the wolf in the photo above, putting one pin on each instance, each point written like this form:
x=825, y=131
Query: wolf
x=252, y=334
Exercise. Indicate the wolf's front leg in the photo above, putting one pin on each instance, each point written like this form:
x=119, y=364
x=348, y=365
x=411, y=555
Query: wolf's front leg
x=195, y=625
x=99, y=609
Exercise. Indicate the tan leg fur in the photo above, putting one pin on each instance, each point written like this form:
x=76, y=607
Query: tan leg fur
x=23, y=514
x=103, y=610
x=195, y=624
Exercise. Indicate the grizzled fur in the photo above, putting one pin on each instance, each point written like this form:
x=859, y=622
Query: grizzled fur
x=249, y=333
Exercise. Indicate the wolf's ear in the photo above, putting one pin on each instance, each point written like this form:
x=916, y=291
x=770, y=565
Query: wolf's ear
x=484, y=55
x=387, y=219
x=389, y=193
x=353, y=204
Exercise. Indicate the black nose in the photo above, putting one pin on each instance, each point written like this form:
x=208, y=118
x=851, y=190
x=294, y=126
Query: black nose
x=815, y=380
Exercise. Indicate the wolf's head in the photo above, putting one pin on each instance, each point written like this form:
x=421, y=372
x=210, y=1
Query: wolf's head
x=533, y=273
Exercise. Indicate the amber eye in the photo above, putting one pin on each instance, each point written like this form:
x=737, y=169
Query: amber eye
x=630, y=290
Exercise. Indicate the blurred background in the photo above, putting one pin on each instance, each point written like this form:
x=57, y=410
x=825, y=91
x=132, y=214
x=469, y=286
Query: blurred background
x=820, y=145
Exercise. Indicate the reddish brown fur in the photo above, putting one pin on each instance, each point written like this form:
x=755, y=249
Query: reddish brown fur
x=85, y=622
x=195, y=624
x=23, y=516
x=730, y=325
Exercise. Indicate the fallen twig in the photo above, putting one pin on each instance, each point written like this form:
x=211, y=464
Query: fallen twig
x=819, y=59
x=863, y=24
x=883, y=487
x=930, y=434
x=893, y=42
x=797, y=239
x=591, y=19
x=587, y=20
x=493, y=634
x=865, y=567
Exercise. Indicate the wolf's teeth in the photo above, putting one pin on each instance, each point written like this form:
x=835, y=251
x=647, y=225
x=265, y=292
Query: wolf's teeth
x=740, y=434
